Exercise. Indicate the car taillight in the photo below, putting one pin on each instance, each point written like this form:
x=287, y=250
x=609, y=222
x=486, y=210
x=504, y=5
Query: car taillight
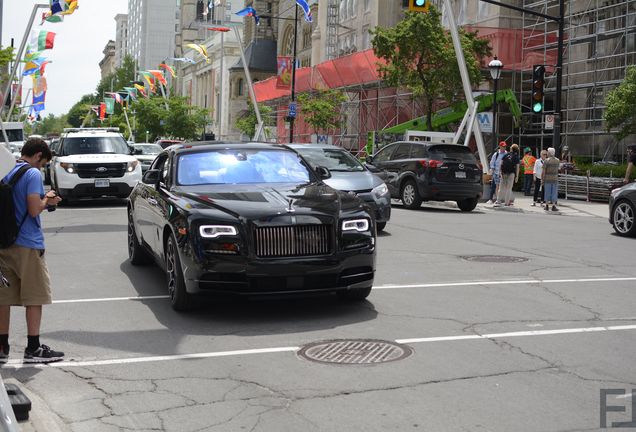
x=430, y=163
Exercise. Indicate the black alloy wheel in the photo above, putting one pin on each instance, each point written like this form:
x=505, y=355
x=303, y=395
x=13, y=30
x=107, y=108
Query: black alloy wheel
x=623, y=218
x=410, y=197
x=467, y=204
x=354, y=294
x=136, y=253
x=179, y=298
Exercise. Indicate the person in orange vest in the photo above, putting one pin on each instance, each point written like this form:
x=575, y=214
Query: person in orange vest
x=528, y=168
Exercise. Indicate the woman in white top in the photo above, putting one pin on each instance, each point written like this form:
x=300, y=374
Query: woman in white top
x=538, y=169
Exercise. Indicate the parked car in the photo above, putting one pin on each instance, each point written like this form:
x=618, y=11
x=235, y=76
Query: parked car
x=349, y=175
x=164, y=143
x=622, y=207
x=249, y=219
x=146, y=153
x=422, y=171
x=94, y=162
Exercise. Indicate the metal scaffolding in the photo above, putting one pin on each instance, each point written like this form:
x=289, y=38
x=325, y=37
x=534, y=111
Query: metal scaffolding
x=600, y=42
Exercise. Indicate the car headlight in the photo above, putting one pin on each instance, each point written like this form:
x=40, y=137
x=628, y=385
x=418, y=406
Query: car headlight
x=68, y=167
x=380, y=190
x=359, y=225
x=132, y=165
x=214, y=231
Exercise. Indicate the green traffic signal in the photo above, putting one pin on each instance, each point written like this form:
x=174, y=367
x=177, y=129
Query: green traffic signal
x=537, y=107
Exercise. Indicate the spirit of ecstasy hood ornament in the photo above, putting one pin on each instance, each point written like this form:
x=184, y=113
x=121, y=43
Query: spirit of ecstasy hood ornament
x=290, y=209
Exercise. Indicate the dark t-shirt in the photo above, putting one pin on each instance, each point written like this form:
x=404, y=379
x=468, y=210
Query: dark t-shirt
x=632, y=158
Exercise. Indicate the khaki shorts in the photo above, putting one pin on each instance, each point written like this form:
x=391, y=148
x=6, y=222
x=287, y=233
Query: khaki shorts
x=26, y=271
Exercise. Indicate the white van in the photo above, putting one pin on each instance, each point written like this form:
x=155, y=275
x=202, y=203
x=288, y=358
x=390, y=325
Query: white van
x=15, y=133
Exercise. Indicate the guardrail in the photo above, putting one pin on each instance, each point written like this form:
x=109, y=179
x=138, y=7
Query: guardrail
x=586, y=187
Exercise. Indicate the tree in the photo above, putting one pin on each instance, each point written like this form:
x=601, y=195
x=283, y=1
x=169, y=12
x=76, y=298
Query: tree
x=181, y=120
x=419, y=55
x=321, y=110
x=50, y=125
x=621, y=109
x=247, y=122
x=150, y=116
x=78, y=112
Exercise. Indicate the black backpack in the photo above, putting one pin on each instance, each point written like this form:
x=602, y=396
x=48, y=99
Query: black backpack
x=507, y=164
x=9, y=228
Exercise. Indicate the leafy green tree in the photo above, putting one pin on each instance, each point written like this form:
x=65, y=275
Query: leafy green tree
x=321, y=110
x=78, y=112
x=419, y=55
x=151, y=115
x=50, y=125
x=247, y=122
x=621, y=106
x=185, y=121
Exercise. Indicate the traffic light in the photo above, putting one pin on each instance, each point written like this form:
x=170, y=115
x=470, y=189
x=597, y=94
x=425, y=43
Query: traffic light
x=538, y=83
x=419, y=5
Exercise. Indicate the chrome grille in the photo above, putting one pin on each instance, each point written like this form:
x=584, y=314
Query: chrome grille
x=100, y=170
x=297, y=240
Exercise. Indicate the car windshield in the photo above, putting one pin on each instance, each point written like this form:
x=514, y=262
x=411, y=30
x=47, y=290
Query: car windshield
x=452, y=152
x=94, y=145
x=333, y=159
x=148, y=149
x=242, y=166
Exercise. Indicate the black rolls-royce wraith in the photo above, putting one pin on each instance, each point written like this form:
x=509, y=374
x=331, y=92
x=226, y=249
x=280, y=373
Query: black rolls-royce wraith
x=249, y=219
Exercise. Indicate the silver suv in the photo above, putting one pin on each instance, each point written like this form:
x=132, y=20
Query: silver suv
x=94, y=162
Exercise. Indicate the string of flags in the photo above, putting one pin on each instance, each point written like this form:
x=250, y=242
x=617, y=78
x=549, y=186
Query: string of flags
x=39, y=41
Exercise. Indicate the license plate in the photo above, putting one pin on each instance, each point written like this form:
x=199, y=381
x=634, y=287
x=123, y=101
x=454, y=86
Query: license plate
x=102, y=183
x=460, y=174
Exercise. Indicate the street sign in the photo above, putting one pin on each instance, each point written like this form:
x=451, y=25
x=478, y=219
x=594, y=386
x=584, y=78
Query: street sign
x=291, y=110
x=549, y=121
x=485, y=121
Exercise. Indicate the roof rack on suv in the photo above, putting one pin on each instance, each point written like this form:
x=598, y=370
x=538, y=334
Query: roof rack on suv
x=106, y=129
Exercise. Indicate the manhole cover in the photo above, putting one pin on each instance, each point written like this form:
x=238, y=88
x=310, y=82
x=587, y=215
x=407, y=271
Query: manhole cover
x=355, y=351
x=494, y=258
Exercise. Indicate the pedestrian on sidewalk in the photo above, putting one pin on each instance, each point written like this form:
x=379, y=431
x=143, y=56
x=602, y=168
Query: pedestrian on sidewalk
x=23, y=263
x=550, y=180
x=528, y=170
x=538, y=171
x=631, y=161
x=509, y=175
x=495, y=171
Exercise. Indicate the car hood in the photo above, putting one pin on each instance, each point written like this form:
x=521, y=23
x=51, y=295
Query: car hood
x=254, y=202
x=353, y=181
x=96, y=158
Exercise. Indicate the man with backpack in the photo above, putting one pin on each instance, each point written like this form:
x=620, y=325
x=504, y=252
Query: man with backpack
x=22, y=250
x=495, y=171
x=509, y=173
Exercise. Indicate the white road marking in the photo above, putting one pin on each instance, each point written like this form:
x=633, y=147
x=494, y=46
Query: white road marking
x=625, y=396
x=92, y=209
x=17, y=364
x=380, y=287
x=105, y=299
x=507, y=282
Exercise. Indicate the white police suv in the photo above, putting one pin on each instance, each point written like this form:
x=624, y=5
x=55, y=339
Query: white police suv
x=92, y=163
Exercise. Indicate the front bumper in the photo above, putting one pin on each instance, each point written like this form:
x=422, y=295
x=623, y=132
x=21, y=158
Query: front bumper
x=71, y=185
x=234, y=275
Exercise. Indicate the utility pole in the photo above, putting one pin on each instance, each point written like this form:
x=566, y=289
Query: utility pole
x=293, y=83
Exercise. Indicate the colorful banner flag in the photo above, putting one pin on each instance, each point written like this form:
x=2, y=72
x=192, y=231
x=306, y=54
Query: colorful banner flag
x=201, y=50
x=32, y=67
x=168, y=69
x=159, y=76
x=109, y=104
x=132, y=92
x=39, y=84
x=69, y=7
x=283, y=80
x=38, y=101
x=102, y=111
x=117, y=97
x=249, y=11
x=305, y=6
x=141, y=89
x=16, y=92
x=41, y=40
x=49, y=17
x=56, y=6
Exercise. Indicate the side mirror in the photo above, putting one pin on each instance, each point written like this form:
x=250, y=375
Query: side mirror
x=53, y=153
x=151, y=177
x=131, y=150
x=139, y=151
x=323, y=172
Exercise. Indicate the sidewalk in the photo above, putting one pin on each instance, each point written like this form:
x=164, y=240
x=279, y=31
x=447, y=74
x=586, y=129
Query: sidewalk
x=523, y=204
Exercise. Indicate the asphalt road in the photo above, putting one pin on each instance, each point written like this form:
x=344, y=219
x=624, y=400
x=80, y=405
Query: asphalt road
x=526, y=345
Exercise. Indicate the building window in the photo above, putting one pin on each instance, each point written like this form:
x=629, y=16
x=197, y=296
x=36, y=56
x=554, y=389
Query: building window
x=287, y=44
x=239, y=87
x=367, y=5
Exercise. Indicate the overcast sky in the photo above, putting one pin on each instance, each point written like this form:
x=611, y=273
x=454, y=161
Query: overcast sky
x=79, y=43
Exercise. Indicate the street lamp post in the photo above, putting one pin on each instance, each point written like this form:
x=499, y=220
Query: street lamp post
x=293, y=83
x=495, y=67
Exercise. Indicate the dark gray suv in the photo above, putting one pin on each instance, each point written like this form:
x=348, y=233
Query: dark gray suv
x=422, y=171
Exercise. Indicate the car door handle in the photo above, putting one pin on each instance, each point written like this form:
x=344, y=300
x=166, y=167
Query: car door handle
x=152, y=201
